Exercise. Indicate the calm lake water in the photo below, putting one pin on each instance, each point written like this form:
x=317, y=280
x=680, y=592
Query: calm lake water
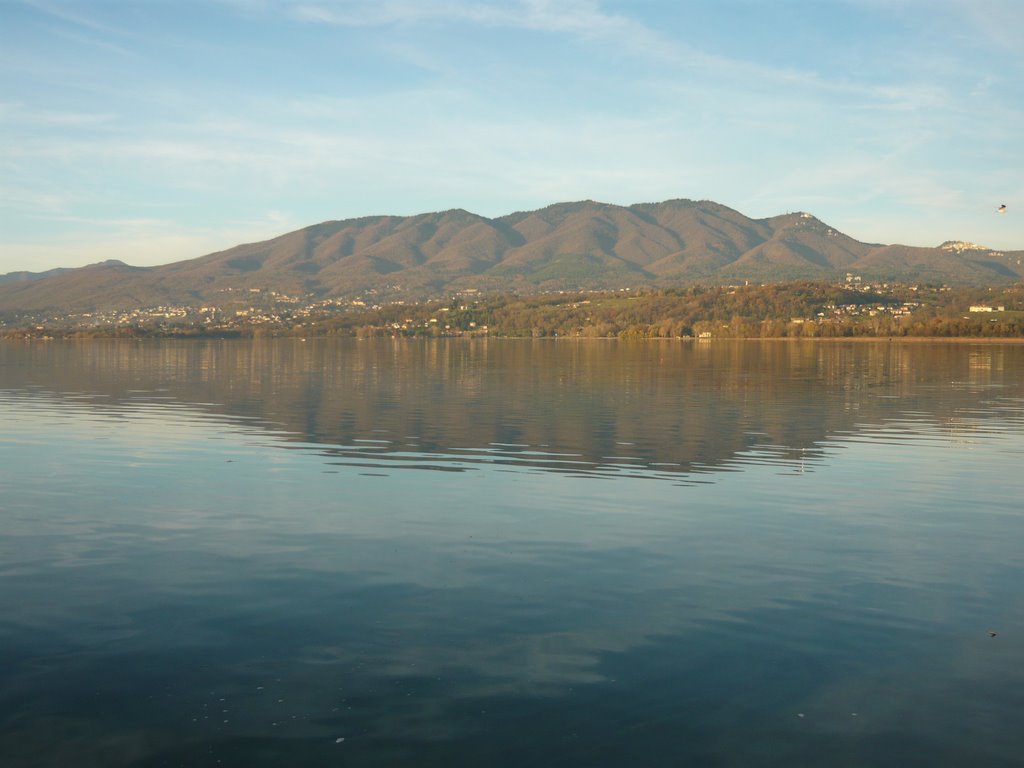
x=511, y=553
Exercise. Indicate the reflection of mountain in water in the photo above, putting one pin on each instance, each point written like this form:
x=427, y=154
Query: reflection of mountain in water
x=666, y=407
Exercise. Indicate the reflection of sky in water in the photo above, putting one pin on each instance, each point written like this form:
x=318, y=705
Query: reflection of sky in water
x=157, y=558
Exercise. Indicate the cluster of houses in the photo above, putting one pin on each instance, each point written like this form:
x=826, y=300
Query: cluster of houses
x=251, y=307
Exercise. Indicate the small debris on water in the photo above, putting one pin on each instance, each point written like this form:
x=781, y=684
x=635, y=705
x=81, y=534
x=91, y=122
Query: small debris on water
x=339, y=740
x=799, y=714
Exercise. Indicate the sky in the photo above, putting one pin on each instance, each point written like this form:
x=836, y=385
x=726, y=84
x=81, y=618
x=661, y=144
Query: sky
x=153, y=131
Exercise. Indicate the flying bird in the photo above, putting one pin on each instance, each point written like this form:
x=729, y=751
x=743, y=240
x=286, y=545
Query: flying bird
x=1001, y=209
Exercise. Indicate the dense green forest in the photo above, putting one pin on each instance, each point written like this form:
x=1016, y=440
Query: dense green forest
x=785, y=310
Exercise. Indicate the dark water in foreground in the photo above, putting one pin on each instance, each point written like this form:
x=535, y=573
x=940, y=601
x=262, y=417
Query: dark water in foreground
x=511, y=553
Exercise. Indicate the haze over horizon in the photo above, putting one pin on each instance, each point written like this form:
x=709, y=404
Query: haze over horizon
x=157, y=132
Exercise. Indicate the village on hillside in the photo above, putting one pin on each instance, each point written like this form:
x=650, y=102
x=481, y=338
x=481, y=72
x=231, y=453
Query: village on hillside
x=852, y=307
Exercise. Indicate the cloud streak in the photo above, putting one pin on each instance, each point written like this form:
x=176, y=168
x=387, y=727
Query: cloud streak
x=578, y=16
x=15, y=113
x=139, y=242
x=337, y=109
x=585, y=20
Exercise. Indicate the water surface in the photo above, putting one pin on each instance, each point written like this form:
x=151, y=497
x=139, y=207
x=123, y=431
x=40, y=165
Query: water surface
x=513, y=553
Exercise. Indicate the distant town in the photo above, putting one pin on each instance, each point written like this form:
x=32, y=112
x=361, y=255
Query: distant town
x=851, y=307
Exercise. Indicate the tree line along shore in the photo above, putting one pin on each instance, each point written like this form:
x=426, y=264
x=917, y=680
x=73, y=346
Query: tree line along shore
x=783, y=310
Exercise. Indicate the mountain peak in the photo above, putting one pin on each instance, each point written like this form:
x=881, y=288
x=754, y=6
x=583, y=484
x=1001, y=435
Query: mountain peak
x=579, y=245
x=959, y=246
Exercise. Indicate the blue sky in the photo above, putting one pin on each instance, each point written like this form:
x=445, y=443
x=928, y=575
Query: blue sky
x=153, y=131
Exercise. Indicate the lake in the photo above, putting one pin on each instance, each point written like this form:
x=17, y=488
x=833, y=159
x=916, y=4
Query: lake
x=511, y=553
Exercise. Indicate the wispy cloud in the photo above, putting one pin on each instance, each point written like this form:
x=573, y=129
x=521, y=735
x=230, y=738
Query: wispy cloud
x=582, y=18
x=550, y=15
x=101, y=25
x=586, y=20
x=404, y=106
x=16, y=113
x=998, y=21
x=71, y=23
x=70, y=14
x=139, y=242
x=32, y=200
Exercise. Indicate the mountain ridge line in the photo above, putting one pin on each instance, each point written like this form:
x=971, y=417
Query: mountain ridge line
x=583, y=244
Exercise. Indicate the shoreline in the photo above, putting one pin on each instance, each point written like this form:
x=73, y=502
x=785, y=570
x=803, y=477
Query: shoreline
x=543, y=339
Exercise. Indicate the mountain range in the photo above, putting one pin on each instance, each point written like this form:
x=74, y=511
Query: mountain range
x=579, y=245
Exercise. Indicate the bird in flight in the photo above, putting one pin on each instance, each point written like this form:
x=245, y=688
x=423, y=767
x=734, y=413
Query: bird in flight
x=1001, y=209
